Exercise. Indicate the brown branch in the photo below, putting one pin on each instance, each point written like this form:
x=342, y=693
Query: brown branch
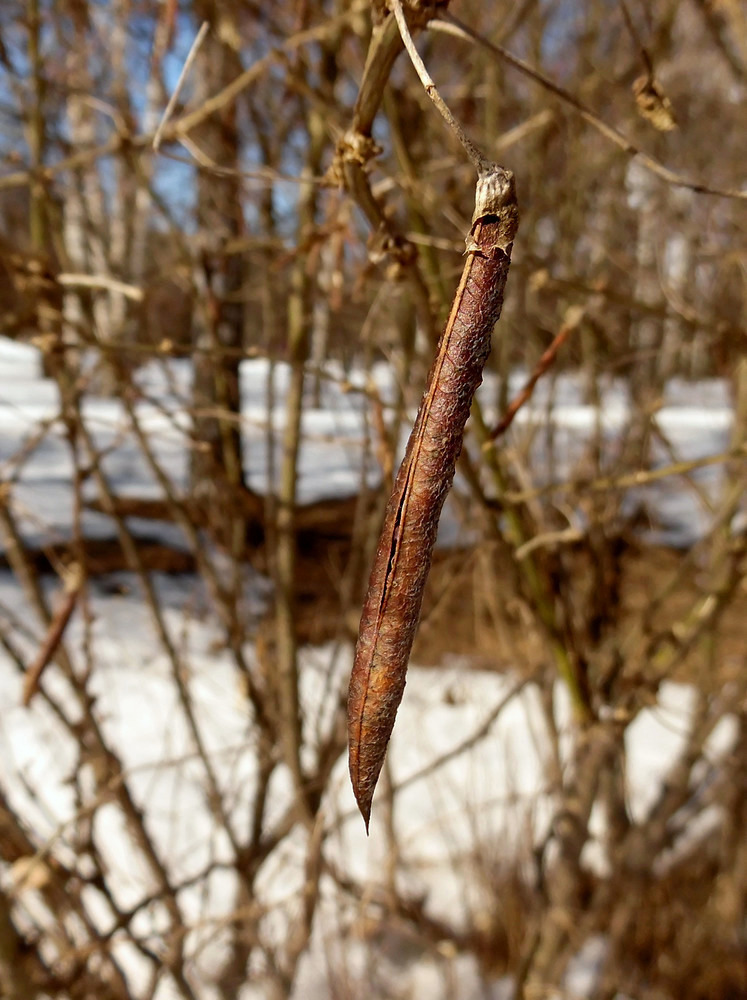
x=641, y=477
x=72, y=588
x=191, y=55
x=573, y=318
x=454, y=27
x=637, y=41
x=357, y=148
x=188, y=121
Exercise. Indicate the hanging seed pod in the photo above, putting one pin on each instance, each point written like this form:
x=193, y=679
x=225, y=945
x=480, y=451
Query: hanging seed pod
x=403, y=556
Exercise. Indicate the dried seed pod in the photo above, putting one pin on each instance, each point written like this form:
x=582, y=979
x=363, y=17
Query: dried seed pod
x=403, y=556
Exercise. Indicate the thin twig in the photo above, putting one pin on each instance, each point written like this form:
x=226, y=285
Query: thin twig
x=191, y=55
x=72, y=587
x=550, y=539
x=629, y=24
x=451, y=26
x=102, y=281
x=642, y=477
x=190, y=120
x=481, y=162
x=574, y=317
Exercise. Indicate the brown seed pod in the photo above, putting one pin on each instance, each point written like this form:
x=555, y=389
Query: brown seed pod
x=403, y=556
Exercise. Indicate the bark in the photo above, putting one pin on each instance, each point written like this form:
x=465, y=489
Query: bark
x=216, y=464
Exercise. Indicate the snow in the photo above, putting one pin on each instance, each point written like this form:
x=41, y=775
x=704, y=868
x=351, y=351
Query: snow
x=695, y=421
x=482, y=792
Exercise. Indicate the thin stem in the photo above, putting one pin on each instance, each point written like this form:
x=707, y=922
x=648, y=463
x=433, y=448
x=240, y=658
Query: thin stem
x=574, y=318
x=179, y=84
x=451, y=26
x=629, y=24
x=481, y=162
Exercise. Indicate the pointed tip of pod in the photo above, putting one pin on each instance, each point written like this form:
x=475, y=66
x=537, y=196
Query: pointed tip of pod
x=364, y=801
x=366, y=814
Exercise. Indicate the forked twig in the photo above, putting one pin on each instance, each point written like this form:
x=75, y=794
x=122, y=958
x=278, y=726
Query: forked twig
x=452, y=26
x=641, y=477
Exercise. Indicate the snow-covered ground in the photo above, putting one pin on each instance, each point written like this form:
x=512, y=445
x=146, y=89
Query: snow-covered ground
x=695, y=421
x=482, y=793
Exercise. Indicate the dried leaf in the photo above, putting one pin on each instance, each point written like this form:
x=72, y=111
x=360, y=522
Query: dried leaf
x=653, y=104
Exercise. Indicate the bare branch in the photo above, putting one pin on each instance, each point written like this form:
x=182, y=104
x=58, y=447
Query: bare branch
x=454, y=27
x=179, y=84
x=480, y=162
